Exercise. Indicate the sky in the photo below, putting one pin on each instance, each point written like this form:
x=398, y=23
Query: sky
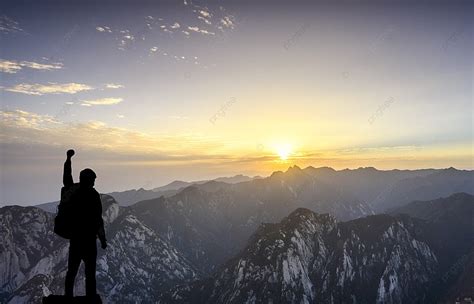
x=148, y=92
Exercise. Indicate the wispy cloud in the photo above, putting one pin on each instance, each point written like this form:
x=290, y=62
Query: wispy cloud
x=12, y=66
x=8, y=25
x=205, y=20
x=102, y=101
x=24, y=127
x=103, y=29
x=198, y=30
x=50, y=88
x=204, y=13
x=228, y=21
x=113, y=86
x=214, y=22
x=126, y=39
x=23, y=119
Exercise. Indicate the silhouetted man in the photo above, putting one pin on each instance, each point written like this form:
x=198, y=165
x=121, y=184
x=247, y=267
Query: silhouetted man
x=88, y=225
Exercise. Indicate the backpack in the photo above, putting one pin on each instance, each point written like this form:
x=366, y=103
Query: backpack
x=63, y=222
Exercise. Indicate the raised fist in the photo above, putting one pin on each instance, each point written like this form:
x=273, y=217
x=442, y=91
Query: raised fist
x=70, y=153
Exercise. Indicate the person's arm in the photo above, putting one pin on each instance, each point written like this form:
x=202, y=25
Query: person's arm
x=67, y=173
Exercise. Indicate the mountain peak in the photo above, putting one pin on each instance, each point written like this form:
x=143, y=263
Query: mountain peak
x=276, y=173
x=301, y=215
x=324, y=169
x=294, y=168
x=298, y=212
x=370, y=169
x=189, y=189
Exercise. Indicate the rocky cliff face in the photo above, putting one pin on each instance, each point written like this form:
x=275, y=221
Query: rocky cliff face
x=137, y=265
x=311, y=258
x=194, y=247
x=211, y=222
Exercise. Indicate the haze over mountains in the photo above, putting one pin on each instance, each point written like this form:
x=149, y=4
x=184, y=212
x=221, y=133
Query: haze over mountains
x=299, y=236
x=381, y=189
x=130, y=197
x=312, y=258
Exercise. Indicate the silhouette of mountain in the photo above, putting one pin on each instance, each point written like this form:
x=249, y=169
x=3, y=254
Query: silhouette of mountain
x=130, y=197
x=239, y=178
x=310, y=257
x=179, y=185
x=440, y=183
x=203, y=229
x=175, y=185
x=384, y=190
x=211, y=222
x=380, y=190
x=457, y=205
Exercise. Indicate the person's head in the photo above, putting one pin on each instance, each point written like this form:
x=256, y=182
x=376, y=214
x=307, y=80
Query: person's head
x=87, y=178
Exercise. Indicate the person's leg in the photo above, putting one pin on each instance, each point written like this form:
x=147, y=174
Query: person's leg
x=74, y=260
x=90, y=259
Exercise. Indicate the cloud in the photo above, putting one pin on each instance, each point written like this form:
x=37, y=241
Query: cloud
x=25, y=119
x=204, y=13
x=221, y=22
x=126, y=39
x=22, y=127
x=50, y=88
x=101, y=101
x=205, y=20
x=113, y=86
x=198, y=30
x=41, y=66
x=103, y=29
x=8, y=25
x=12, y=66
x=228, y=22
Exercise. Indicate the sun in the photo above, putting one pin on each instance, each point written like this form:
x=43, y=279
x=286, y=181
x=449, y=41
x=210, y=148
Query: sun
x=284, y=151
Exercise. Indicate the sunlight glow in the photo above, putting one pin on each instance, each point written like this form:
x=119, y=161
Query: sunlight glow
x=284, y=151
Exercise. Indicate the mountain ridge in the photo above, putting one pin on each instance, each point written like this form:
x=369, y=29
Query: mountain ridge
x=310, y=257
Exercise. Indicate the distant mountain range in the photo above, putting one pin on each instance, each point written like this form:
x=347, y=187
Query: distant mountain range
x=205, y=243
x=177, y=185
x=130, y=197
x=312, y=258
